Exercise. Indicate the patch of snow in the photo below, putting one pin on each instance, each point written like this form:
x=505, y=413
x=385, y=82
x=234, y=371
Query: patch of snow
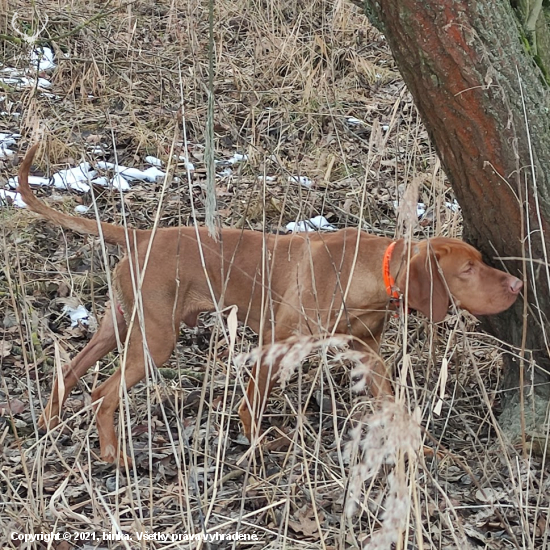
x=453, y=206
x=6, y=153
x=42, y=59
x=225, y=173
x=420, y=208
x=151, y=174
x=75, y=178
x=102, y=181
x=6, y=141
x=238, y=157
x=189, y=166
x=11, y=197
x=153, y=161
x=302, y=180
x=119, y=182
x=313, y=224
x=78, y=178
x=77, y=315
x=19, y=81
x=37, y=181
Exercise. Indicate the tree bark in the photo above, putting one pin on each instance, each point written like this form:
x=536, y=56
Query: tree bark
x=484, y=101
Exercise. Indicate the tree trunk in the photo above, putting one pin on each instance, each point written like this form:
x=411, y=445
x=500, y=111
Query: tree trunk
x=478, y=85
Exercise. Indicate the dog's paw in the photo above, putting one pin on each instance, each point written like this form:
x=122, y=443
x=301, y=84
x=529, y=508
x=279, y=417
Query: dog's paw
x=47, y=422
x=112, y=455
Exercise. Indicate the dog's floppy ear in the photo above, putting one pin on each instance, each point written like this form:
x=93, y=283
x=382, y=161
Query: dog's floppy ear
x=427, y=290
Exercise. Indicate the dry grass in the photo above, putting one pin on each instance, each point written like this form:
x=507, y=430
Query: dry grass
x=288, y=76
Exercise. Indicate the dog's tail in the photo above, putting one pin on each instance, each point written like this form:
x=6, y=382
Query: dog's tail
x=111, y=233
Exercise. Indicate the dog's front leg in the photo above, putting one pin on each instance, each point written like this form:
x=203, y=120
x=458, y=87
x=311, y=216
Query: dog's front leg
x=378, y=377
x=259, y=388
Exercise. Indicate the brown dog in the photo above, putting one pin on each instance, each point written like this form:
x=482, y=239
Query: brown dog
x=283, y=285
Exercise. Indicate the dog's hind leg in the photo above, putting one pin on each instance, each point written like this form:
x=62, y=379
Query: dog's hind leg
x=107, y=397
x=103, y=341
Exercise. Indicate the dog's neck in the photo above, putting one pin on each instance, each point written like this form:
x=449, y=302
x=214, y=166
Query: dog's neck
x=389, y=281
x=394, y=268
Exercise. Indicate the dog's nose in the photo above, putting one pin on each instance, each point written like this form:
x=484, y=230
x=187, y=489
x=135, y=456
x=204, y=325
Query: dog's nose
x=515, y=285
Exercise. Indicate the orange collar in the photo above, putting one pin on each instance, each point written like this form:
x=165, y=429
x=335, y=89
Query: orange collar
x=389, y=281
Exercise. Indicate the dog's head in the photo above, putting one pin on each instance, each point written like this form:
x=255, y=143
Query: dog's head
x=443, y=267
